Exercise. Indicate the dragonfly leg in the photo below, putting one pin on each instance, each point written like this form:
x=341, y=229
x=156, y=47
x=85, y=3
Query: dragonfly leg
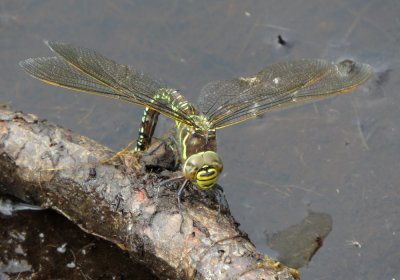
x=178, y=194
x=163, y=183
x=221, y=199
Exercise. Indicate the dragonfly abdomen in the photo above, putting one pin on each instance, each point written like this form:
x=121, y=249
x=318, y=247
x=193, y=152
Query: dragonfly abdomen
x=150, y=117
x=146, y=130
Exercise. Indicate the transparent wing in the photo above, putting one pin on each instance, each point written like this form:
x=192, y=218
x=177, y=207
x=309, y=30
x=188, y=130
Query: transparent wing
x=277, y=86
x=56, y=71
x=85, y=70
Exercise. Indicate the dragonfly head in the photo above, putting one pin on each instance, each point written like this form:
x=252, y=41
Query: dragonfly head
x=203, y=169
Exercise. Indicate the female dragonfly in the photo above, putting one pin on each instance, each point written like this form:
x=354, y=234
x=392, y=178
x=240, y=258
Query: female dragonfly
x=222, y=103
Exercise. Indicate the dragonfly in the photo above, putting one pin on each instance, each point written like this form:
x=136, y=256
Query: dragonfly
x=221, y=104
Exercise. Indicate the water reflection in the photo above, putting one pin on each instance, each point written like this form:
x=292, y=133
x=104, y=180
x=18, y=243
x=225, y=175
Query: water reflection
x=298, y=243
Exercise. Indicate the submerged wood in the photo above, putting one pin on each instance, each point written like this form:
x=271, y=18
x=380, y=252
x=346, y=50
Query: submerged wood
x=44, y=164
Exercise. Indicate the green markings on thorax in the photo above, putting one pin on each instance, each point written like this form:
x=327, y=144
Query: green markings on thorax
x=190, y=140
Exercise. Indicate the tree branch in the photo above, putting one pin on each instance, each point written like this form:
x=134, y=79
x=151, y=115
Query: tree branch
x=44, y=164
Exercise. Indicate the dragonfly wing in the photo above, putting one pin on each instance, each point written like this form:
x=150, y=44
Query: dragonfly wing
x=56, y=71
x=277, y=86
x=340, y=78
x=121, y=81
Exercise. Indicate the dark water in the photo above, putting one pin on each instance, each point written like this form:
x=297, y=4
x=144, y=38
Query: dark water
x=340, y=156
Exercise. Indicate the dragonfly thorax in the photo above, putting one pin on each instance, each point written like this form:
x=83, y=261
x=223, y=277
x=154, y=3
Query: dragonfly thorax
x=201, y=163
x=194, y=140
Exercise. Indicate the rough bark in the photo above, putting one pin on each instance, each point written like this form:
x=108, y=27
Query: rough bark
x=44, y=164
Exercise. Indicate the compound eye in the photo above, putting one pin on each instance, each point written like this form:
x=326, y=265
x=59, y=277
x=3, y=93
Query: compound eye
x=192, y=166
x=203, y=169
x=212, y=159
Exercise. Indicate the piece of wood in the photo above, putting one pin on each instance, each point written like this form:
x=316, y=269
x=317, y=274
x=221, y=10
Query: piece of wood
x=118, y=200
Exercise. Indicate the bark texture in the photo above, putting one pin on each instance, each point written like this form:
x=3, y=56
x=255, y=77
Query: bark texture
x=44, y=164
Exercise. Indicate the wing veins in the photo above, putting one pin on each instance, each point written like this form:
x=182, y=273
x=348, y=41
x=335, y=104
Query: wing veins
x=79, y=57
